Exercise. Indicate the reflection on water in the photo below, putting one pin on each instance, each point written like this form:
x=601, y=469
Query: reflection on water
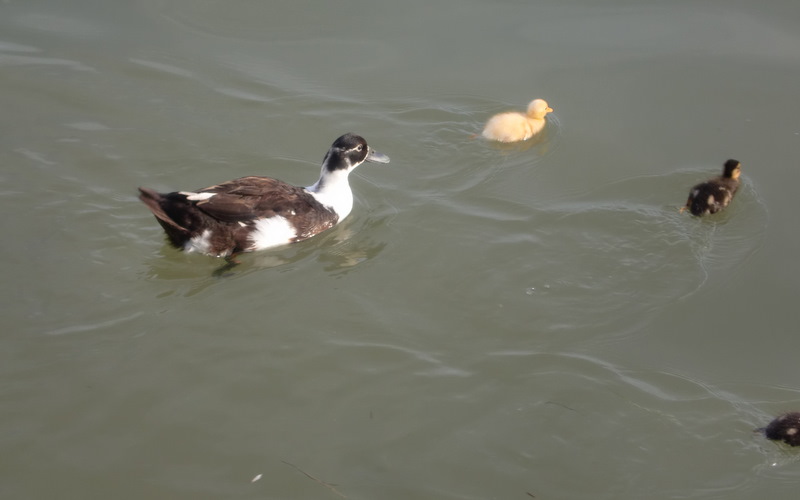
x=333, y=249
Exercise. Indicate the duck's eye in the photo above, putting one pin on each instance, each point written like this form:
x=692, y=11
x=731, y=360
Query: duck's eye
x=360, y=147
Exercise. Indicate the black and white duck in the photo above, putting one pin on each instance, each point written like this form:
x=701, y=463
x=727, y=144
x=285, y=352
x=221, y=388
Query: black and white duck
x=255, y=213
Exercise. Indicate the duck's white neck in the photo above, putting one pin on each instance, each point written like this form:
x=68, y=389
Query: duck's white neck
x=333, y=190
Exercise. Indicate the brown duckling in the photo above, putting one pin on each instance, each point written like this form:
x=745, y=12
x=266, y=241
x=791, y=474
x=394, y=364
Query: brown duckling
x=715, y=194
x=513, y=126
x=785, y=428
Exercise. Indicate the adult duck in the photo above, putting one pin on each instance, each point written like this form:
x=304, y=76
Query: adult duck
x=254, y=213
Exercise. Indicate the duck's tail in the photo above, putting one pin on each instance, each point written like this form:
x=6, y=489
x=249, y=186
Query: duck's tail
x=154, y=201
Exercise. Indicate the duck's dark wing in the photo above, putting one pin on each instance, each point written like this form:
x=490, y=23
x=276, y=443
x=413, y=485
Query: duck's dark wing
x=249, y=198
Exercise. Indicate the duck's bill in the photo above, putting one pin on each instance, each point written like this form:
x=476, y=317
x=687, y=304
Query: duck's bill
x=376, y=157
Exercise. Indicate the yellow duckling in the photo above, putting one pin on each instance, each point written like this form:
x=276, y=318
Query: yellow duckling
x=513, y=126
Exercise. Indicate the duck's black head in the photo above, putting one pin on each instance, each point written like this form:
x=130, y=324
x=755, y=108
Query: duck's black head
x=349, y=151
x=732, y=169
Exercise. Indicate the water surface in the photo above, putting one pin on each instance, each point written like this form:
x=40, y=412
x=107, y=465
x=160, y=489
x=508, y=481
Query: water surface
x=492, y=321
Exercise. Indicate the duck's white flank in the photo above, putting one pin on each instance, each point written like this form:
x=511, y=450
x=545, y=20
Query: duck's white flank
x=271, y=232
x=199, y=244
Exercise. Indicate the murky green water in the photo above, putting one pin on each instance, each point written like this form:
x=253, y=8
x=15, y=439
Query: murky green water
x=490, y=322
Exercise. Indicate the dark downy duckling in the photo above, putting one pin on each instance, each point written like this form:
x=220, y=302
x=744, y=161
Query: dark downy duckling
x=785, y=428
x=715, y=194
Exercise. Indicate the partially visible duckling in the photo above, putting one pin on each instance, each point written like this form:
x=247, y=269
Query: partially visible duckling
x=715, y=194
x=785, y=428
x=513, y=126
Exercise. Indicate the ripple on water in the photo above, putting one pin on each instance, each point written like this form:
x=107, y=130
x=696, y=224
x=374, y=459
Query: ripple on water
x=568, y=403
x=609, y=255
x=448, y=155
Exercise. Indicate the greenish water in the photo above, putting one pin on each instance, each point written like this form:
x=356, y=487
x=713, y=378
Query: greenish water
x=490, y=321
